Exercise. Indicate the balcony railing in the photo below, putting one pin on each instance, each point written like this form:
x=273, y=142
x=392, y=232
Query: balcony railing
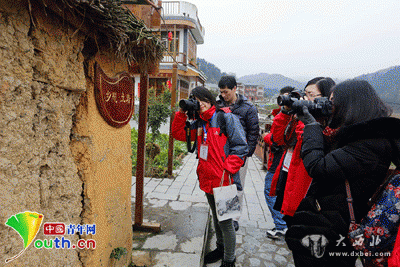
x=185, y=10
x=180, y=58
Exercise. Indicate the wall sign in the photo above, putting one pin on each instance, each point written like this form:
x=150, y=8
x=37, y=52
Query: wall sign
x=114, y=96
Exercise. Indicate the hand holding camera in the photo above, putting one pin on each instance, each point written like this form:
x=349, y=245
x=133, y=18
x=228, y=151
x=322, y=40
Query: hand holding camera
x=306, y=117
x=191, y=106
x=293, y=104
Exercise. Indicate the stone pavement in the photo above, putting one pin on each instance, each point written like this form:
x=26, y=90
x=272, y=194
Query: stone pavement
x=186, y=232
x=182, y=210
x=253, y=247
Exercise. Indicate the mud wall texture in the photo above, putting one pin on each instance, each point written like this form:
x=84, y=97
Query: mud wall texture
x=104, y=161
x=57, y=156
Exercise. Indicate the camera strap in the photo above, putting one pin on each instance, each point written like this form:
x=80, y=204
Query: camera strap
x=289, y=136
x=188, y=138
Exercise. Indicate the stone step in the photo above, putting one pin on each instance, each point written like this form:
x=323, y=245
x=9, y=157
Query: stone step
x=181, y=242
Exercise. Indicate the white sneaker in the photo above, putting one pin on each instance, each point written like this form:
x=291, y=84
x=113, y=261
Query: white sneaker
x=276, y=234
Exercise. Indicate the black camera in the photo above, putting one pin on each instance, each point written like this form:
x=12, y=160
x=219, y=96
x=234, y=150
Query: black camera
x=321, y=107
x=287, y=100
x=192, y=106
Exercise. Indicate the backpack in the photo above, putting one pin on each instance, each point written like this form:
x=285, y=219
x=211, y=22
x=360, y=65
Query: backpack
x=374, y=237
x=222, y=125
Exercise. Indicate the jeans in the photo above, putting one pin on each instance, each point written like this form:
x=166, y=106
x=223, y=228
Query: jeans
x=280, y=224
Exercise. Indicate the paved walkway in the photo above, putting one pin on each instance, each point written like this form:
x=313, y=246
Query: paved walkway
x=182, y=210
x=253, y=248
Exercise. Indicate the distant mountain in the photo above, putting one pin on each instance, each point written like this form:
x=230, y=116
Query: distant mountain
x=212, y=72
x=387, y=84
x=272, y=82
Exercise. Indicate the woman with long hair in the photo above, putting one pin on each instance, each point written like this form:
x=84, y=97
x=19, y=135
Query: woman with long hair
x=363, y=149
x=290, y=182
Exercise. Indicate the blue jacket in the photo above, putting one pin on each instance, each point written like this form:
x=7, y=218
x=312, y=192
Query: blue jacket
x=248, y=116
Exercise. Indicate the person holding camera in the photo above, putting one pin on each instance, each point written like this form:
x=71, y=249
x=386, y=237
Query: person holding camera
x=274, y=157
x=221, y=148
x=291, y=181
x=248, y=116
x=363, y=149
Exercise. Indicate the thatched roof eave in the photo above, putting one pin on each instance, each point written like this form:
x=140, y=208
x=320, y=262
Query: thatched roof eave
x=126, y=35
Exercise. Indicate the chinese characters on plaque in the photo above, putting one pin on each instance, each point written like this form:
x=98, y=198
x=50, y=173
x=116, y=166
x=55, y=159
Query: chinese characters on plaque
x=114, y=96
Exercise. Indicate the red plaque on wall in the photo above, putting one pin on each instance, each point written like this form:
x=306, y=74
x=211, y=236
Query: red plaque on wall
x=114, y=96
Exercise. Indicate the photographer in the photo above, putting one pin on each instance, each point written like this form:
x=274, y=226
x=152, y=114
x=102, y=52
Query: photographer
x=291, y=181
x=274, y=157
x=362, y=152
x=221, y=145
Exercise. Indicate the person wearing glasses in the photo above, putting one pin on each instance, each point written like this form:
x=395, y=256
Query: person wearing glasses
x=366, y=143
x=291, y=181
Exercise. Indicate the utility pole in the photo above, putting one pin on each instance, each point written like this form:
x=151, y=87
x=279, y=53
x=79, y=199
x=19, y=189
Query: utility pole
x=173, y=102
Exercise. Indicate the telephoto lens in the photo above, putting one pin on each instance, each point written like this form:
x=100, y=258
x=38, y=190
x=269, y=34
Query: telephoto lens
x=287, y=100
x=321, y=107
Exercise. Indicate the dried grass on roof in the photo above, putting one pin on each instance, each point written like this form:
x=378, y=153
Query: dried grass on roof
x=126, y=34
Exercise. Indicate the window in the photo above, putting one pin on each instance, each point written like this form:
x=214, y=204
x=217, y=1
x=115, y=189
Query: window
x=170, y=44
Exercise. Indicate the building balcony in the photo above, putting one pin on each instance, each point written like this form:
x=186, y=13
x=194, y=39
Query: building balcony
x=181, y=12
x=180, y=58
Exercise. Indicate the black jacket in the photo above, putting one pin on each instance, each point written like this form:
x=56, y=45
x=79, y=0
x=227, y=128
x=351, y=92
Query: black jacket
x=362, y=155
x=248, y=116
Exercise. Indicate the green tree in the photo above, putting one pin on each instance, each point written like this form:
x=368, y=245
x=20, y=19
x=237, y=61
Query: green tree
x=159, y=110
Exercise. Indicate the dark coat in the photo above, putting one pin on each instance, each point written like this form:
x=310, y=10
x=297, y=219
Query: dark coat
x=248, y=116
x=362, y=155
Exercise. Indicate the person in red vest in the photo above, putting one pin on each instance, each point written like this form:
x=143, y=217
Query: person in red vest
x=291, y=181
x=221, y=149
x=274, y=157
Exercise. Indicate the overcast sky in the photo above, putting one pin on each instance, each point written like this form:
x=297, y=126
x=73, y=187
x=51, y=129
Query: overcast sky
x=300, y=38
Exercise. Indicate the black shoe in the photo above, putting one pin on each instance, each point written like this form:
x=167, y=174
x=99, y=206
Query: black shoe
x=214, y=255
x=236, y=225
x=228, y=263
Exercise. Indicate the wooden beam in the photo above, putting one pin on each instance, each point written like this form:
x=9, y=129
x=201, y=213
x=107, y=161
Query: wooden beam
x=140, y=159
x=173, y=100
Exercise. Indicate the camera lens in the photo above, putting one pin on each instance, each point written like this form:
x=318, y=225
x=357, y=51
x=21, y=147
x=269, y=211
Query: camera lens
x=183, y=105
x=189, y=104
x=284, y=100
x=321, y=107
